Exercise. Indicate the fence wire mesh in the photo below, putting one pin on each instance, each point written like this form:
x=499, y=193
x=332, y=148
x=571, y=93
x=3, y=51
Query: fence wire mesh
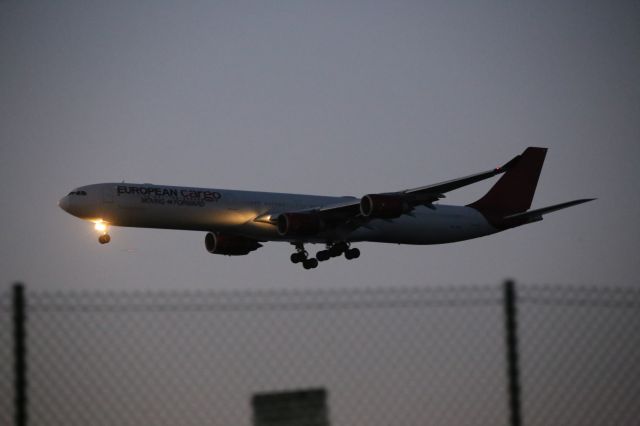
x=580, y=349
x=412, y=356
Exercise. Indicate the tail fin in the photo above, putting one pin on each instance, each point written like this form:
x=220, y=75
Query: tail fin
x=513, y=193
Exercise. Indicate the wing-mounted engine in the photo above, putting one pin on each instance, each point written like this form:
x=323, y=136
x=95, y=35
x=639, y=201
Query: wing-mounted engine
x=230, y=245
x=299, y=224
x=384, y=206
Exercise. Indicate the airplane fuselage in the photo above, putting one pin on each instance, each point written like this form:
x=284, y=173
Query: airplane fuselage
x=248, y=214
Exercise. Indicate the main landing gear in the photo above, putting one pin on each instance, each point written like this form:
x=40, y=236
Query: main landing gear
x=337, y=249
x=332, y=250
x=302, y=256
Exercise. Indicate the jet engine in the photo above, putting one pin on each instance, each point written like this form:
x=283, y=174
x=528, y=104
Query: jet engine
x=383, y=206
x=230, y=245
x=299, y=224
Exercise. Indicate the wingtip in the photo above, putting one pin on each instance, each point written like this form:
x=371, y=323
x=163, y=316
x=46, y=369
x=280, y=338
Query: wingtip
x=581, y=201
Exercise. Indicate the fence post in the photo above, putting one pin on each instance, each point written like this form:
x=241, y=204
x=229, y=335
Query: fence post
x=20, y=354
x=513, y=369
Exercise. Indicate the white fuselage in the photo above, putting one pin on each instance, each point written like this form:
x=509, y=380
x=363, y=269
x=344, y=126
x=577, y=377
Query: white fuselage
x=246, y=213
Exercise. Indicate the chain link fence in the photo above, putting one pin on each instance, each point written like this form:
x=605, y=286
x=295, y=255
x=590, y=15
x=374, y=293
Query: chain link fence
x=410, y=356
x=580, y=355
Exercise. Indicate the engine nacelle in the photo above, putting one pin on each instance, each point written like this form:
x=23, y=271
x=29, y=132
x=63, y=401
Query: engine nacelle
x=383, y=206
x=299, y=224
x=230, y=245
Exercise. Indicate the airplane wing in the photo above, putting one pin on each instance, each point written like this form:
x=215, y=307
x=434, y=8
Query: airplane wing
x=390, y=205
x=410, y=198
x=447, y=186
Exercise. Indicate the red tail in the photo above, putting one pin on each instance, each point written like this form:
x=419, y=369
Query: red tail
x=513, y=193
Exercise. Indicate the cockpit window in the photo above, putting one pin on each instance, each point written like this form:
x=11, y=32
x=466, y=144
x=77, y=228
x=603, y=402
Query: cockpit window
x=78, y=193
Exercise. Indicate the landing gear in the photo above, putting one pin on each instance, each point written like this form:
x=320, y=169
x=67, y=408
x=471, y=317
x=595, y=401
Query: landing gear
x=353, y=253
x=310, y=263
x=332, y=250
x=338, y=249
x=103, y=228
x=323, y=255
x=302, y=256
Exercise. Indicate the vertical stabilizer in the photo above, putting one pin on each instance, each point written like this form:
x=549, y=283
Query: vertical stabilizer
x=513, y=193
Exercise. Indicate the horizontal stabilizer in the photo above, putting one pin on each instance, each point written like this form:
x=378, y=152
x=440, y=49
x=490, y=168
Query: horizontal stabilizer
x=537, y=213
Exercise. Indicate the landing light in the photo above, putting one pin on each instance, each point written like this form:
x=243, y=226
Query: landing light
x=265, y=218
x=100, y=226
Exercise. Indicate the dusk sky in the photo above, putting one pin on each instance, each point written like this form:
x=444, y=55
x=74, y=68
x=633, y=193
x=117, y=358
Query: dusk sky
x=331, y=98
x=328, y=98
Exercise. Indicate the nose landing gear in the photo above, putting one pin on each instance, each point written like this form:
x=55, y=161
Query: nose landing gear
x=103, y=229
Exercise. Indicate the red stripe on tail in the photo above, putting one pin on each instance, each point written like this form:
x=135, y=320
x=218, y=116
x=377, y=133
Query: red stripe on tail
x=513, y=193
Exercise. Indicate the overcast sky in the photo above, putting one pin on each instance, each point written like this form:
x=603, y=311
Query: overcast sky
x=333, y=97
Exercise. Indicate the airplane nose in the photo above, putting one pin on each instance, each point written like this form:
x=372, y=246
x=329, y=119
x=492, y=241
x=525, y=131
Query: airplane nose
x=64, y=203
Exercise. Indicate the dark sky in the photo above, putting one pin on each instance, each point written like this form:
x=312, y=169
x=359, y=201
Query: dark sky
x=336, y=98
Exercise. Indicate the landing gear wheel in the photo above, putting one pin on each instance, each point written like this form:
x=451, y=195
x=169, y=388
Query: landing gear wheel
x=310, y=263
x=104, y=239
x=336, y=250
x=353, y=253
x=298, y=257
x=323, y=255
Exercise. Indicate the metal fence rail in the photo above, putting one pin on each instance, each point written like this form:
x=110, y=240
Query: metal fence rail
x=408, y=356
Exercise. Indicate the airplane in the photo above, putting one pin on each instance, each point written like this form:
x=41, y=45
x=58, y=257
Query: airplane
x=238, y=222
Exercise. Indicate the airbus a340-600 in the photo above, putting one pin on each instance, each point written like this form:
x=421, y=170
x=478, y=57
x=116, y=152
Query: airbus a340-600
x=238, y=222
